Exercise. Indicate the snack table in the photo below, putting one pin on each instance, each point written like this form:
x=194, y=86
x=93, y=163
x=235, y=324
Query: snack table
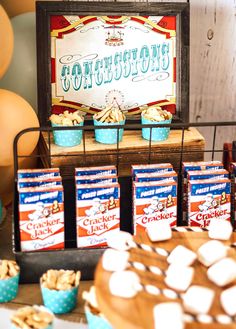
x=30, y=294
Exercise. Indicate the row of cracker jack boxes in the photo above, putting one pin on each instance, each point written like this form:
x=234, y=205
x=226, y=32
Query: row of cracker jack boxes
x=41, y=201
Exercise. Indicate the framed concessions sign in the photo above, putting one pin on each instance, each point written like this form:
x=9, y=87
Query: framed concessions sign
x=91, y=54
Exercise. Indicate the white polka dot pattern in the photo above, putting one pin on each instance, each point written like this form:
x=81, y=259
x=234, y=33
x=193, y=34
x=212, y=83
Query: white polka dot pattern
x=67, y=138
x=60, y=302
x=9, y=289
x=158, y=134
x=108, y=136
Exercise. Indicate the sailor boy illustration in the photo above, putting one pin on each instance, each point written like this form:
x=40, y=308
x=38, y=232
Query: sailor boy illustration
x=97, y=208
x=156, y=205
x=38, y=213
x=208, y=203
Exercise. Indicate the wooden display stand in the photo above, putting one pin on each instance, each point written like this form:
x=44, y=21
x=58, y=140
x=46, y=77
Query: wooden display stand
x=132, y=149
x=137, y=312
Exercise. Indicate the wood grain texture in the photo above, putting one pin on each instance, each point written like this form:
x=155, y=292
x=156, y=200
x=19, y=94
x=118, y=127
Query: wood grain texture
x=132, y=149
x=212, y=62
x=136, y=313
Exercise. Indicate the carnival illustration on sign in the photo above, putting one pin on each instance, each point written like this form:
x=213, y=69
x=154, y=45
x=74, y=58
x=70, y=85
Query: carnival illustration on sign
x=96, y=59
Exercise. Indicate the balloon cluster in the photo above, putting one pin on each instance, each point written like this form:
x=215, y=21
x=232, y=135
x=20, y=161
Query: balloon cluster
x=18, y=89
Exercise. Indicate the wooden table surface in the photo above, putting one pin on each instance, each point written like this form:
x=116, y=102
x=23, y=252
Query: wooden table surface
x=137, y=312
x=30, y=293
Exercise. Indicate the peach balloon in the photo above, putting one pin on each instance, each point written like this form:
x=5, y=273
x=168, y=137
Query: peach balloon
x=6, y=41
x=7, y=177
x=15, y=115
x=17, y=7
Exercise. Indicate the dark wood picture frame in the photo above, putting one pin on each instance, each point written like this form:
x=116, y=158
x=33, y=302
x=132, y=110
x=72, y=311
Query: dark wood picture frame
x=44, y=9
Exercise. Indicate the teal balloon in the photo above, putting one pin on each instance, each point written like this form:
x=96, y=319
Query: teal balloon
x=21, y=76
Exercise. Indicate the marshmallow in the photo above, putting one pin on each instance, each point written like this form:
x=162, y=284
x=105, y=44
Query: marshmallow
x=90, y=297
x=168, y=315
x=179, y=277
x=220, y=229
x=115, y=260
x=120, y=240
x=159, y=230
x=124, y=284
x=223, y=272
x=211, y=251
x=227, y=300
x=198, y=300
x=182, y=256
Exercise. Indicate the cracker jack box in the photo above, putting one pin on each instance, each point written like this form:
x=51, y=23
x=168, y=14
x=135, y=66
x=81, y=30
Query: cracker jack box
x=33, y=173
x=97, y=213
x=39, y=182
x=170, y=175
x=94, y=179
x=207, y=174
x=41, y=216
x=151, y=168
x=208, y=199
x=192, y=166
x=154, y=201
x=98, y=171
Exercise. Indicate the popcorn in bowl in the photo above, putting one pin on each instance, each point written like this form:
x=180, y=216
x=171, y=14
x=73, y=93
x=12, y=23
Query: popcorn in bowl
x=67, y=138
x=9, y=280
x=60, y=289
x=66, y=118
x=8, y=269
x=112, y=115
x=32, y=317
x=60, y=279
x=155, y=115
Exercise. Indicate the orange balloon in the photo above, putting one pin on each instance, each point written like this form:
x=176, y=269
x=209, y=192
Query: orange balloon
x=7, y=177
x=17, y=7
x=15, y=115
x=6, y=41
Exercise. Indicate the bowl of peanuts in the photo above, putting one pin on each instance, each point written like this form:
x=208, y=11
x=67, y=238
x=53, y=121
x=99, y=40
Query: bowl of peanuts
x=32, y=317
x=67, y=138
x=60, y=289
x=155, y=115
x=9, y=280
x=112, y=115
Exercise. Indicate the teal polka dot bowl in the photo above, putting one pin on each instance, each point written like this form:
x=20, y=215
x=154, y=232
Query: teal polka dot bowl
x=96, y=321
x=60, y=301
x=9, y=289
x=158, y=134
x=67, y=138
x=108, y=136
